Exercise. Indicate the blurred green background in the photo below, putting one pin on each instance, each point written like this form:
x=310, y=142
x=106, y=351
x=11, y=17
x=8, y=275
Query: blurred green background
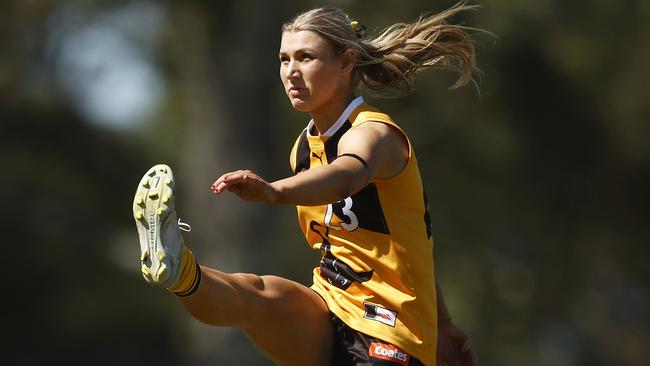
x=539, y=186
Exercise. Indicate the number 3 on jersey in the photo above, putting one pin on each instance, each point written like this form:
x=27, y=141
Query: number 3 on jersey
x=344, y=217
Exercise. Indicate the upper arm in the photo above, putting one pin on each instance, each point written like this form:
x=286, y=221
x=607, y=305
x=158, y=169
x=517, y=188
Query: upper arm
x=382, y=146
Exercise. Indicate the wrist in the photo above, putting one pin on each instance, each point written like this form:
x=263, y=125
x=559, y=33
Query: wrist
x=277, y=193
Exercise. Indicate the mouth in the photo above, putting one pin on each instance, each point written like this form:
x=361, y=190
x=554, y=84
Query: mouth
x=295, y=90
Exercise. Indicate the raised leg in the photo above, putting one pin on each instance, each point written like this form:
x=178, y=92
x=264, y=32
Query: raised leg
x=286, y=320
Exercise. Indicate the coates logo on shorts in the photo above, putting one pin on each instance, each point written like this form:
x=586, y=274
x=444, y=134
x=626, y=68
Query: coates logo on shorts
x=382, y=315
x=388, y=352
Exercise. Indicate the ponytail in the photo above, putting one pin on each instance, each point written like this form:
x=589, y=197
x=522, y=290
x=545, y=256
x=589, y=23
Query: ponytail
x=387, y=64
x=403, y=50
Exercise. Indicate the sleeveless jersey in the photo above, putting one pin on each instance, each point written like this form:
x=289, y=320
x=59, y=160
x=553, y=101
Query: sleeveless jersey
x=376, y=272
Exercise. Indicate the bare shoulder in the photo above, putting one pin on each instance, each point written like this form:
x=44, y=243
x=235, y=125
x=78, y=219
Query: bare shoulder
x=371, y=131
x=384, y=146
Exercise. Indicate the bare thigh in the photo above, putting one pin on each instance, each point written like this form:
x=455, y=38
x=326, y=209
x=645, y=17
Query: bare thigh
x=286, y=320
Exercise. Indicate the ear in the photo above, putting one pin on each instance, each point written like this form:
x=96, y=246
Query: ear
x=348, y=60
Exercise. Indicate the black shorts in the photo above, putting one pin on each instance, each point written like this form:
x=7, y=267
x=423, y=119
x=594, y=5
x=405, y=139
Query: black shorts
x=353, y=348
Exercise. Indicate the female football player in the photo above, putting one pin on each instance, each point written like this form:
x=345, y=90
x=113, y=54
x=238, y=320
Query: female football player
x=360, y=201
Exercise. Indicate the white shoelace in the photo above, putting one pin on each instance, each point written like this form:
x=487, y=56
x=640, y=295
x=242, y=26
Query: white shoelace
x=183, y=226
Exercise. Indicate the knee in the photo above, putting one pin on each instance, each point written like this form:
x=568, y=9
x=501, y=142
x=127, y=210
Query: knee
x=270, y=297
x=257, y=296
x=248, y=283
x=261, y=291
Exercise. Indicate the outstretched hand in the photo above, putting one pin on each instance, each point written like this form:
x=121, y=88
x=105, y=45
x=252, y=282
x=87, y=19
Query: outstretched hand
x=454, y=347
x=247, y=185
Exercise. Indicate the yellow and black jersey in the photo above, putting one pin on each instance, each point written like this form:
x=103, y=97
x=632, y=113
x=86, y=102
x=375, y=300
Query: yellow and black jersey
x=377, y=268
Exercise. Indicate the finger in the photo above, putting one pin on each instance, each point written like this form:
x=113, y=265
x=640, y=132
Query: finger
x=217, y=188
x=219, y=185
x=214, y=186
x=227, y=180
x=470, y=359
x=218, y=182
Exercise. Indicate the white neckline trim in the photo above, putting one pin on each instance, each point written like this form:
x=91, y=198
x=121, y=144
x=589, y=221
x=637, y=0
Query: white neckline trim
x=339, y=122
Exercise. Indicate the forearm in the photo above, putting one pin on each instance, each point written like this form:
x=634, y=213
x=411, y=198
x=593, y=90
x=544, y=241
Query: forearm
x=443, y=312
x=320, y=185
x=454, y=346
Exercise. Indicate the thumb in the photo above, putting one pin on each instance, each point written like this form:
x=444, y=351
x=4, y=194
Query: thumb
x=467, y=345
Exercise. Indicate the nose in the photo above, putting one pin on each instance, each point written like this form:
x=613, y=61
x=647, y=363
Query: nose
x=292, y=71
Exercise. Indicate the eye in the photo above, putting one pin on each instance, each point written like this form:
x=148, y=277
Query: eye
x=307, y=57
x=284, y=60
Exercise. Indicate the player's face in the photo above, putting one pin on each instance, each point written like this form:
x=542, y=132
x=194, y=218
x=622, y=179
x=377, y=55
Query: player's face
x=312, y=71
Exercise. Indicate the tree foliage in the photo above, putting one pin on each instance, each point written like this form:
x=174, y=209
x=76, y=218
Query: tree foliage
x=537, y=179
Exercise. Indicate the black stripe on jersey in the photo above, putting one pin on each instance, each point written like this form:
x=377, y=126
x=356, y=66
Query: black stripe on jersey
x=367, y=207
x=302, y=154
x=332, y=144
x=340, y=274
x=334, y=270
x=427, y=216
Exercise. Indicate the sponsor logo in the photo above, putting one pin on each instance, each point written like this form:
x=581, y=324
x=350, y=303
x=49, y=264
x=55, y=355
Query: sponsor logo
x=388, y=352
x=382, y=315
x=319, y=157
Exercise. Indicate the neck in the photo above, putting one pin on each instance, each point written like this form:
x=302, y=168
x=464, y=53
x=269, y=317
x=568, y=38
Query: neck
x=326, y=116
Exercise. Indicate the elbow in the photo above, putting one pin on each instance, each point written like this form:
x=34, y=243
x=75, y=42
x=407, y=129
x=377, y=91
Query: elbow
x=352, y=183
x=344, y=193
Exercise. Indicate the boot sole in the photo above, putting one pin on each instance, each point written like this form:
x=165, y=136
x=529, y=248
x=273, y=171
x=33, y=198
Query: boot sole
x=152, y=206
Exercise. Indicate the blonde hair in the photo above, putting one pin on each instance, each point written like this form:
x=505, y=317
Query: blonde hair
x=386, y=64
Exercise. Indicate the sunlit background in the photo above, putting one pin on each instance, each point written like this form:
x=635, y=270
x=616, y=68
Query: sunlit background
x=538, y=179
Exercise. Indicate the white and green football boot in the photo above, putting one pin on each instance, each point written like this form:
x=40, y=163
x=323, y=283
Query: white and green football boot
x=161, y=242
